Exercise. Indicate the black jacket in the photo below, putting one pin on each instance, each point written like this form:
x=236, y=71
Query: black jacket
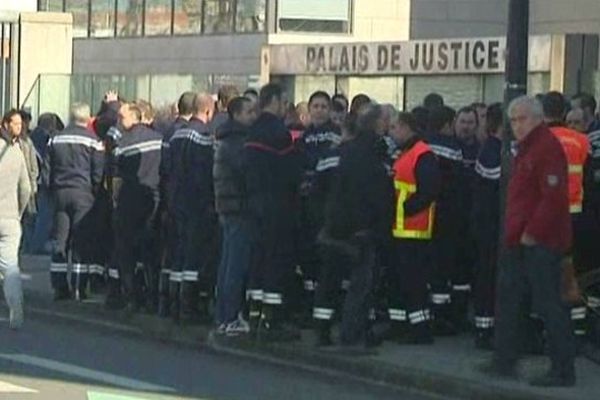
x=228, y=170
x=165, y=160
x=137, y=159
x=74, y=160
x=486, y=191
x=272, y=173
x=191, y=153
x=362, y=196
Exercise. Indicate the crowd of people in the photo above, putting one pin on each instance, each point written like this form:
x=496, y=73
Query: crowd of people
x=264, y=218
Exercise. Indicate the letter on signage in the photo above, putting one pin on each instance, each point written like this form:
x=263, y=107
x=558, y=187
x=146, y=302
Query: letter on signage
x=479, y=54
x=414, y=61
x=493, y=55
x=456, y=47
x=344, y=61
x=311, y=55
x=396, y=54
x=332, y=60
x=363, y=58
x=443, y=56
x=382, y=57
x=321, y=64
x=427, y=56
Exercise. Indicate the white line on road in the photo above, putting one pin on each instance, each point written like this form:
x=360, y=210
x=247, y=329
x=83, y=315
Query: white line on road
x=6, y=387
x=86, y=373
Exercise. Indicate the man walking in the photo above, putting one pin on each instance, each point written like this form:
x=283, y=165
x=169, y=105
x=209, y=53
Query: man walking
x=14, y=196
x=73, y=167
x=537, y=235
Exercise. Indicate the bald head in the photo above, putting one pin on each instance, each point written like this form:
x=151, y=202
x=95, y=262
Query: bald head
x=576, y=120
x=204, y=106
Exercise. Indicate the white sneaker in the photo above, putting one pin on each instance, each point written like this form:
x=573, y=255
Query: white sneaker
x=243, y=322
x=221, y=329
x=237, y=328
x=16, y=317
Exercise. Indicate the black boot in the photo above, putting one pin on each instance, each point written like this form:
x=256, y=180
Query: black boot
x=484, y=339
x=272, y=329
x=164, y=303
x=323, y=333
x=189, y=313
x=419, y=334
x=563, y=376
x=175, y=300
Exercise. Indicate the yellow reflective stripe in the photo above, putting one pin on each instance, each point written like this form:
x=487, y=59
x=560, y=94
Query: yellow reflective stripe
x=404, y=190
x=575, y=169
x=575, y=208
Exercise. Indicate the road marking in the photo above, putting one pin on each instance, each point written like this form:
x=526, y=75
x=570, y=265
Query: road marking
x=26, y=277
x=111, y=396
x=6, y=387
x=86, y=373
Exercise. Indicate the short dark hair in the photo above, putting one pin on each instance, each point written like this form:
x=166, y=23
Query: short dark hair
x=269, y=93
x=555, y=106
x=408, y=119
x=319, y=94
x=341, y=97
x=337, y=107
x=251, y=92
x=587, y=101
x=433, y=100
x=7, y=118
x=440, y=117
x=495, y=117
x=358, y=102
x=25, y=116
x=50, y=122
x=478, y=104
x=227, y=93
x=421, y=115
x=468, y=110
x=367, y=118
x=185, y=105
x=236, y=105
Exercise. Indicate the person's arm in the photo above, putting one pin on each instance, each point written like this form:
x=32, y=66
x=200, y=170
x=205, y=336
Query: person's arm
x=428, y=185
x=34, y=169
x=97, y=163
x=24, y=187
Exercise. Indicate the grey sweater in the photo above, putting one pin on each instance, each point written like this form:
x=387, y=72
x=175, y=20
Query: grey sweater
x=15, y=188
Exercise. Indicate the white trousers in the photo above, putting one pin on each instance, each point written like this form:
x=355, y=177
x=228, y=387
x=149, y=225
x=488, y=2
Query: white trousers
x=10, y=238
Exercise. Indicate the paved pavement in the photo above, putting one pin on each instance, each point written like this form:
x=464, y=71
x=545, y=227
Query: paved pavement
x=448, y=368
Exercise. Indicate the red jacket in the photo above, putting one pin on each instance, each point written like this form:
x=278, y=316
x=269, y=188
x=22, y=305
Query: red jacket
x=538, y=193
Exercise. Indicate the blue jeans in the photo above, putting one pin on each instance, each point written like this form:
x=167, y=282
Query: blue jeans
x=43, y=223
x=237, y=250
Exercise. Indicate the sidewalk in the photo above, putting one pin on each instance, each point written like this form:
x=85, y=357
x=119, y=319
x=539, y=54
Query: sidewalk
x=448, y=368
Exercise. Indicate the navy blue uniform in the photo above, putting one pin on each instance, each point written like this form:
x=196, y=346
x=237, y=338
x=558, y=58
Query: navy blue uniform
x=485, y=224
x=446, y=230
x=73, y=169
x=137, y=162
x=191, y=199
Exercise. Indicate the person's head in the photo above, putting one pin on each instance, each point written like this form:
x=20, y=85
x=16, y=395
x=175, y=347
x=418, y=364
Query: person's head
x=26, y=118
x=440, y=120
x=12, y=122
x=148, y=112
x=466, y=124
x=421, y=115
x=481, y=109
x=241, y=110
x=389, y=112
x=338, y=113
x=185, y=105
x=130, y=115
x=576, y=120
x=303, y=114
x=80, y=114
x=404, y=127
x=342, y=100
x=588, y=104
x=204, y=107
x=494, y=123
x=225, y=95
x=319, y=106
x=554, y=106
x=50, y=122
x=433, y=100
x=358, y=102
x=272, y=99
x=525, y=113
x=370, y=119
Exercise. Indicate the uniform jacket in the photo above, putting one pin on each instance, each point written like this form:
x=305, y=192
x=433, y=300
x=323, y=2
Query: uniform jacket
x=191, y=153
x=486, y=197
x=592, y=170
x=228, y=171
x=165, y=160
x=74, y=160
x=538, y=193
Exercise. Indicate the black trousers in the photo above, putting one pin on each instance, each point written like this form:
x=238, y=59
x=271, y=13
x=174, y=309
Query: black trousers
x=72, y=209
x=534, y=271
x=135, y=230
x=335, y=269
x=444, y=258
x=409, y=277
x=484, y=297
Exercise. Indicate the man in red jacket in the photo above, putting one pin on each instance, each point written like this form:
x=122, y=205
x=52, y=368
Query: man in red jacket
x=537, y=236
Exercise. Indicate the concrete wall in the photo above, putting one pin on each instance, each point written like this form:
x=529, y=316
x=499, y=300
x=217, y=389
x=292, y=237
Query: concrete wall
x=373, y=20
x=226, y=54
x=565, y=16
x=18, y=5
x=46, y=47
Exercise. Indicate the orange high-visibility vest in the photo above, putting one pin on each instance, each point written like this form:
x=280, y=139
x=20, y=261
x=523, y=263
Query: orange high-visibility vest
x=419, y=226
x=576, y=147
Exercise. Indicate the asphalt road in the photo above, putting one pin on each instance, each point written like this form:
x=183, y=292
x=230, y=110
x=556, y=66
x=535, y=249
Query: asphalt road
x=52, y=361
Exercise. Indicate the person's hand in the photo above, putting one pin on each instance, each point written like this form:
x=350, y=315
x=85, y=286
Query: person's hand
x=527, y=240
x=110, y=96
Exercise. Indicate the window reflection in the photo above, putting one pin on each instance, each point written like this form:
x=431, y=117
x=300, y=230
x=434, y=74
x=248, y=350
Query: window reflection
x=188, y=17
x=157, y=17
x=80, y=11
x=103, y=18
x=219, y=16
x=129, y=17
x=251, y=15
x=50, y=5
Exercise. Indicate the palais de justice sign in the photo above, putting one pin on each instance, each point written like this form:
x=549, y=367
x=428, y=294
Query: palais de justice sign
x=452, y=56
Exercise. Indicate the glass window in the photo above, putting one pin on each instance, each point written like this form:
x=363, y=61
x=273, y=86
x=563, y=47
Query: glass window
x=250, y=15
x=329, y=16
x=384, y=89
x=457, y=90
x=51, y=5
x=103, y=18
x=188, y=17
x=218, y=17
x=157, y=17
x=80, y=11
x=129, y=17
